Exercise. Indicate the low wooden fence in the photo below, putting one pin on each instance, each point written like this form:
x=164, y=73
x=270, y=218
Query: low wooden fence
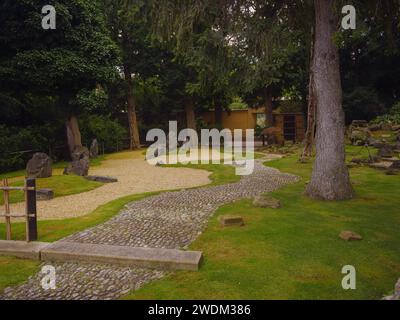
x=30, y=214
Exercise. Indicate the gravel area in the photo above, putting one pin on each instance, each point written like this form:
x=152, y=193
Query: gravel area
x=134, y=176
x=168, y=220
x=84, y=282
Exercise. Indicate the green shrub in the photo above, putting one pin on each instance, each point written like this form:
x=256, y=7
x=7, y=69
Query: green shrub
x=106, y=130
x=18, y=144
x=393, y=117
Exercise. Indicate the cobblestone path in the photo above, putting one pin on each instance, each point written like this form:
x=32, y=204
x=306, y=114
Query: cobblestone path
x=170, y=220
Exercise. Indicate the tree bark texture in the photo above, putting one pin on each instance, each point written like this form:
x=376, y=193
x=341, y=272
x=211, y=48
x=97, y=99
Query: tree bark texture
x=269, y=116
x=134, y=139
x=218, y=114
x=312, y=107
x=190, y=115
x=330, y=178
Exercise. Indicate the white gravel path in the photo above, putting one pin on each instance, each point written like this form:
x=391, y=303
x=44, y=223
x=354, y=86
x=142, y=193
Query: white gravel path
x=135, y=176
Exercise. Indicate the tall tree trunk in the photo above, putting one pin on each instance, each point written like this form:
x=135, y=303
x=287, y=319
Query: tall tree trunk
x=330, y=178
x=190, y=115
x=134, y=142
x=312, y=107
x=269, y=116
x=73, y=133
x=218, y=113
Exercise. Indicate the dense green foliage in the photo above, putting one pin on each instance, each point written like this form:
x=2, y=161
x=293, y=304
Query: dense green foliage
x=47, y=75
x=216, y=54
x=392, y=117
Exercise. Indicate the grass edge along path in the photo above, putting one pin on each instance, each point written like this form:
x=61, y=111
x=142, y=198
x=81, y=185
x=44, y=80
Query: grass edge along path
x=53, y=230
x=62, y=185
x=295, y=252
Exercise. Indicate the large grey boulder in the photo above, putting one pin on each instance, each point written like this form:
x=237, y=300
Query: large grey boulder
x=40, y=166
x=94, y=149
x=80, y=162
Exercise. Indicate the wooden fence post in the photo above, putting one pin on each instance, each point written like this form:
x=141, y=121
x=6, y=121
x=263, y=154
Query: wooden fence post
x=31, y=211
x=7, y=210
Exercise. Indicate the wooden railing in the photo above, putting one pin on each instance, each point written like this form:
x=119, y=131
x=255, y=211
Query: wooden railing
x=30, y=214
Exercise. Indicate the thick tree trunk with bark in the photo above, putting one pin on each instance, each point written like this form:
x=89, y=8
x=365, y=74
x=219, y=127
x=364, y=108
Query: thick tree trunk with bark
x=312, y=108
x=330, y=178
x=190, y=115
x=132, y=118
x=73, y=133
x=269, y=116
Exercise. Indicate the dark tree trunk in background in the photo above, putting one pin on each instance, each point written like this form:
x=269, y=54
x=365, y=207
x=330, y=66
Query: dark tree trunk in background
x=190, y=115
x=134, y=140
x=312, y=107
x=73, y=133
x=330, y=178
x=218, y=114
x=269, y=116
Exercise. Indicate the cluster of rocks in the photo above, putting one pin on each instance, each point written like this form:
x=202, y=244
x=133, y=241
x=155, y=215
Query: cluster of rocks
x=81, y=159
x=40, y=166
x=360, y=134
x=80, y=162
x=285, y=148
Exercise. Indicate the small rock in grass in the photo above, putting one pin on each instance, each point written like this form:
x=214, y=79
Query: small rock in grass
x=355, y=183
x=350, y=236
x=44, y=194
x=229, y=221
x=266, y=202
x=101, y=179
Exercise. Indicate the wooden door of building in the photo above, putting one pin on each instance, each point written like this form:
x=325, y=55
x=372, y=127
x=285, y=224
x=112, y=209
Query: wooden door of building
x=289, y=127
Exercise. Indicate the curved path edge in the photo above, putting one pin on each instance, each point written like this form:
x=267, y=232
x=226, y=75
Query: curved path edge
x=171, y=220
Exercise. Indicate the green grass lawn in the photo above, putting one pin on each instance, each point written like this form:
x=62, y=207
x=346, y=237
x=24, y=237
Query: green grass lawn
x=61, y=185
x=290, y=253
x=14, y=271
x=295, y=252
x=53, y=230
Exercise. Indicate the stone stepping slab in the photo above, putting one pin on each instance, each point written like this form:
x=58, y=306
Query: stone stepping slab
x=164, y=259
x=21, y=249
